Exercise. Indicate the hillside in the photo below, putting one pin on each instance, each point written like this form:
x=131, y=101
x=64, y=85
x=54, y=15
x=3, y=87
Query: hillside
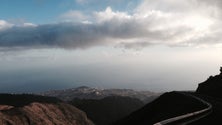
x=38, y=110
x=108, y=109
x=168, y=105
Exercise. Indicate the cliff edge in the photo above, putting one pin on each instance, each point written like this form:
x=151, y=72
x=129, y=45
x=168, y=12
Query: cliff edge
x=212, y=86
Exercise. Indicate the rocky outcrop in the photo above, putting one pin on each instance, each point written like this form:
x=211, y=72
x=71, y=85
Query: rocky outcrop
x=212, y=86
x=44, y=114
x=39, y=110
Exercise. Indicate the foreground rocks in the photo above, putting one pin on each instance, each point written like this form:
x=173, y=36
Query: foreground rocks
x=37, y=110
x=44, y=114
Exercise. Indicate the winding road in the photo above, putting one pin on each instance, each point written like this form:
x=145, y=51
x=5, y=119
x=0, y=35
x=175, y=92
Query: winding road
x=189, y=117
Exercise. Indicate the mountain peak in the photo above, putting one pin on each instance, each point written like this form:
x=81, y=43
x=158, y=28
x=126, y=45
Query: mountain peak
x=83, y=87
x=212, y=86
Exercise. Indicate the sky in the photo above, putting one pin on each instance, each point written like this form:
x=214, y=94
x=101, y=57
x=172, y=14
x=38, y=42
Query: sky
x=156, y=45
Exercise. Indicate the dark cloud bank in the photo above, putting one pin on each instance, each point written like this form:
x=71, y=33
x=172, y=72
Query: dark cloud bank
x=78, y=35
x=126, y=34
x=65, y=35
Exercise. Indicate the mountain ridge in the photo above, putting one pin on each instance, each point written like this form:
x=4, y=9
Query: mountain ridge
x=84, y=92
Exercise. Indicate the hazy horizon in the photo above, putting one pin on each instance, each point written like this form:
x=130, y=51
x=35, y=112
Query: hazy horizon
x=146, y=44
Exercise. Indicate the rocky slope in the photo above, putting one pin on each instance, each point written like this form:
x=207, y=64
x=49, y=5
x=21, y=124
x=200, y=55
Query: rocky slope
x=39, y=112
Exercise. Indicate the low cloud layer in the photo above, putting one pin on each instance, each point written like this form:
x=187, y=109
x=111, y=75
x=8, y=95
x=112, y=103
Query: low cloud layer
x=167, y=22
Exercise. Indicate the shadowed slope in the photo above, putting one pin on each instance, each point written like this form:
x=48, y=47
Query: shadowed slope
x=166, y=106
x=109, y=109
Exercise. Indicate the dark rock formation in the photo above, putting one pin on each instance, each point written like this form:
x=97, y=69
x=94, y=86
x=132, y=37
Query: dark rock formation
x=212, y=86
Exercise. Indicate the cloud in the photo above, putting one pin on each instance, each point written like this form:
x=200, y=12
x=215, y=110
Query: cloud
x=115, y=29
x=29, y=25
x=67, y=35
x=4, y=25
x=74, y=16
x=185, y=23
x=62, y=35
x=108, y=15
x=166, y=22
